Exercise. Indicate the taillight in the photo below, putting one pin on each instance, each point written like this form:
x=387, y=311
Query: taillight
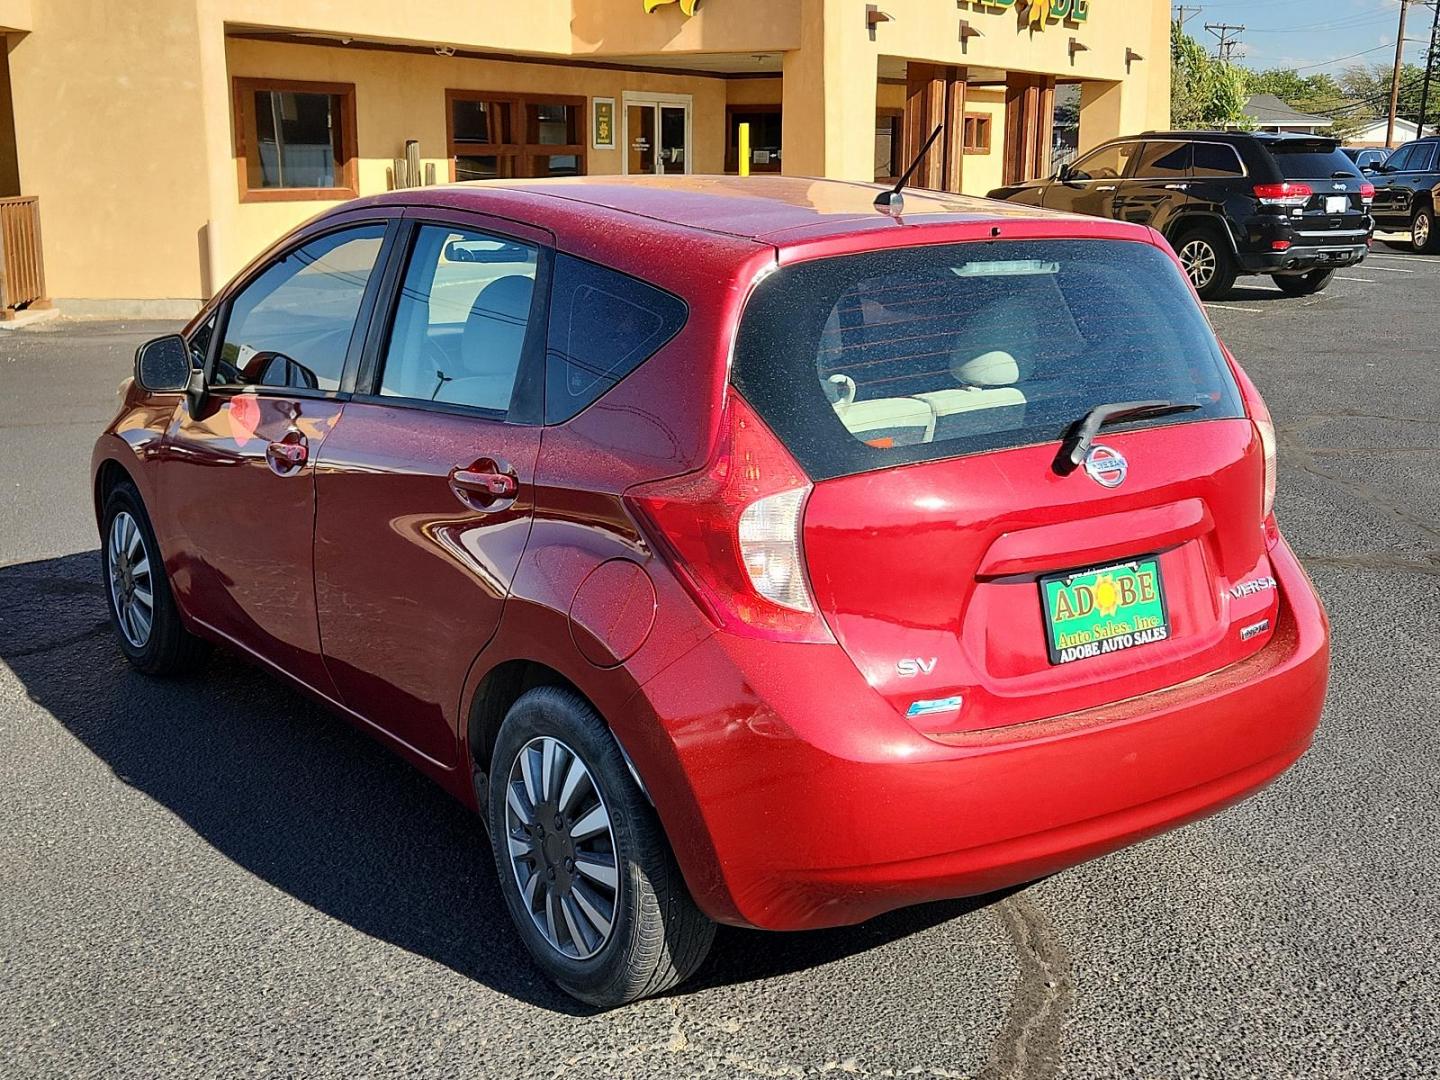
x=1367, y=193
x=1265, y=429
x=1286, y=194
x=733, y=533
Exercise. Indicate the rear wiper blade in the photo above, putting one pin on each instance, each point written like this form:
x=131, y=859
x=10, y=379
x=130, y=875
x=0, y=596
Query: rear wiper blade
x=1081, y=436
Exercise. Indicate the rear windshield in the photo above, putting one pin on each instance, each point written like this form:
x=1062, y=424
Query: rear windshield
x=1311, y=161
x=868, y=361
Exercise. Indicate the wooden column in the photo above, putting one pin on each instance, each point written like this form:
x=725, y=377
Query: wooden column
x=1029, y=126
x=934, y=95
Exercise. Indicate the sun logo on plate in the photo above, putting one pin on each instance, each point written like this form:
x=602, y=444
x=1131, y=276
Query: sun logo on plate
x=1107, y=597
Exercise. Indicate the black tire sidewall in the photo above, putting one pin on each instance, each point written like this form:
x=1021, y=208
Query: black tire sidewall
x=165, y=629
x=1306, y=284
x=563, y=715
x=1225, y=268
x=1432, y=243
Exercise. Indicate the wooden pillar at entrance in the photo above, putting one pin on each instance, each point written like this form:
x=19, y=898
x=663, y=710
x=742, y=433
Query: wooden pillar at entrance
x=1029, y=126
x=935, y=94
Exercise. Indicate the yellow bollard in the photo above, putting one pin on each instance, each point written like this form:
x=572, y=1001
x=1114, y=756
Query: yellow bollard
x=744, y=149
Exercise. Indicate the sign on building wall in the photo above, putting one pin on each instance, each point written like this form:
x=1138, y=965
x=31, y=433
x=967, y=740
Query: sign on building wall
x=687, y=6
x=1035, y=12
x=603, y=111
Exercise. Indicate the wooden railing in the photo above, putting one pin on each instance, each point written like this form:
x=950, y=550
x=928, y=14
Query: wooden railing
x=22, y=269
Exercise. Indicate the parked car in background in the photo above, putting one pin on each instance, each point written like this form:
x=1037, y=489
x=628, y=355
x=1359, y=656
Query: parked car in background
x=1406, y=187
x=741, y=553
x=1291, y=206
x=1367, y=158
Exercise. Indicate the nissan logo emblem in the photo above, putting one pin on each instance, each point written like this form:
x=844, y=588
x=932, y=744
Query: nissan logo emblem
x=1106, y=467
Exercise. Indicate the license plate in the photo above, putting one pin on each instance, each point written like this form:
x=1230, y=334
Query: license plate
x=1337, y=204
x=1093, y=613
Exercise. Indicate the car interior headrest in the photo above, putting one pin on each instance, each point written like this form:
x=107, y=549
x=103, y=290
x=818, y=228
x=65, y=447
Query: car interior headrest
x=995, y=368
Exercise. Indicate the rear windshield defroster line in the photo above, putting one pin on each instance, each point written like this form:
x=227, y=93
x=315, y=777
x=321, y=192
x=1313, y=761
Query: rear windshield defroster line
x=864, y=362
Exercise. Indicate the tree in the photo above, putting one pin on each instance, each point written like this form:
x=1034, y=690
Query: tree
x=1308, y=93
x=1204, y=93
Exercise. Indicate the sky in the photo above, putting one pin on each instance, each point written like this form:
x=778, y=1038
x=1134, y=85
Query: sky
x=1316, y=35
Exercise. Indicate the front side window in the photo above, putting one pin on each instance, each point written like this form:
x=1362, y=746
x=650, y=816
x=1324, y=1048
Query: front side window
x=1107, y=163
x=869, y=361
x=291, y=326
x=460, y=324
x=296, y=139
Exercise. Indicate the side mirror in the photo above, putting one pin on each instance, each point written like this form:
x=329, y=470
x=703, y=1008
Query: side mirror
x=162, y=366
x=1064, y=173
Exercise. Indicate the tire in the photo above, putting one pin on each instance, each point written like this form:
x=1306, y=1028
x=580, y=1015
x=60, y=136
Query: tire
x=1304, y=284
x=1208, y=262
x=157, y=643
x=1423, y=235
x=656, y=936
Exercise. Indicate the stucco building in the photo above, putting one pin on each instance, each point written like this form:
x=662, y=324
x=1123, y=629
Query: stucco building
x=168, y=142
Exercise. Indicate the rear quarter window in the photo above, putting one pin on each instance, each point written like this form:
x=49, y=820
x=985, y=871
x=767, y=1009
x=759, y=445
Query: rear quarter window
x=603, y=325
x=869, y=361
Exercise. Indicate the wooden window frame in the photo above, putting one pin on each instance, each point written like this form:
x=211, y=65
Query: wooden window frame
x=732, y=148
x=521, y=151
x=984, y=124
x=244, y=90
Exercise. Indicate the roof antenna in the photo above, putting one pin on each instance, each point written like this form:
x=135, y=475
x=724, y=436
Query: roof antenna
x=892, y=201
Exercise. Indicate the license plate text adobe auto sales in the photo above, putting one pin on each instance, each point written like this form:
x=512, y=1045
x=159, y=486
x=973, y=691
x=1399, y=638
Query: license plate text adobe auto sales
x=1093, y=613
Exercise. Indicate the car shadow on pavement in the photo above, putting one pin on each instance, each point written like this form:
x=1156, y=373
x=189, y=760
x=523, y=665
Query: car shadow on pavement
x=298, y=798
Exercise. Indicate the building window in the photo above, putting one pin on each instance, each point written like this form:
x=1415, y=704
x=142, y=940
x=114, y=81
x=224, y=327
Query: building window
x=502, y=136
x=977, y=133
x=295, y=140
x=889, y=124
x=764, y=121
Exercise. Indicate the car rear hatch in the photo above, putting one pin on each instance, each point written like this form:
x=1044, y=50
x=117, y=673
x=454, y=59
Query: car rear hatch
x=1323, y=195
x=976, y=576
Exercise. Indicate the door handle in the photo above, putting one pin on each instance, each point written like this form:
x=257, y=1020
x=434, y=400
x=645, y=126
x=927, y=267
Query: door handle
x=501, y=485
x=1177, y=187
x=286, y=456
x=1108, y=187
x=486, y=486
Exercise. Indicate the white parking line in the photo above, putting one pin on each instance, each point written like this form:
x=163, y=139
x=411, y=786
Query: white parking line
x=1366, y=280
x=1402, y=258
x=1232, y=307
x=1394, y=270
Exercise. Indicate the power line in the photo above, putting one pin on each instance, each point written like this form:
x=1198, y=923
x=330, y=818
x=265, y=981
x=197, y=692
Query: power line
x=1181, y=18
x=1395, y=79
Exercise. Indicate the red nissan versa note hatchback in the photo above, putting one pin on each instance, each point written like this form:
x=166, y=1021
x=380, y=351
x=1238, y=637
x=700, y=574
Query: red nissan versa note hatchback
x=741, y=552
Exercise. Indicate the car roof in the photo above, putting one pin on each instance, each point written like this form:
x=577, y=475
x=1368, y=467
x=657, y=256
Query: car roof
x=763, y=209
x=1236, y=136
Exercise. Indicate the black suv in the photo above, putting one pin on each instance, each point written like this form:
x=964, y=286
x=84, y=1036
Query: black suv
x=1292, y=206
x=1405, y=192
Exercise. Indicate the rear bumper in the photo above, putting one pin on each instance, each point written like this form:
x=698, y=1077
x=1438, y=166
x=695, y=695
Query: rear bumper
x=795, y=798
x=1303, y=258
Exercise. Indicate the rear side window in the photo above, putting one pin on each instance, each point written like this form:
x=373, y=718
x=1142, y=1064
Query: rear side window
x=1163, y=161
x=869, y=361
x=1217, y=159
x=603, y=325
x=1303, y=160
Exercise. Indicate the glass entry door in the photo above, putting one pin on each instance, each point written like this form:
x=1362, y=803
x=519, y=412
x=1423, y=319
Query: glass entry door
x=657, y=136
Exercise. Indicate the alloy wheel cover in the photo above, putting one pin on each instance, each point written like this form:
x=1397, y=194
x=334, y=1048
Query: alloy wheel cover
x=561, y=848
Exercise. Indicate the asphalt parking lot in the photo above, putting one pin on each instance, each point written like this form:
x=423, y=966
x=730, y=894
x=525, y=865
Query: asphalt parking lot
x=215, y=878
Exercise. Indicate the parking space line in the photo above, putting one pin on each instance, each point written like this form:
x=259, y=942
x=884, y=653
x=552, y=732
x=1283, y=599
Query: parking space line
x=1366, y=280
x=1232, y=307
x=1394, y=270
x=1401, y=258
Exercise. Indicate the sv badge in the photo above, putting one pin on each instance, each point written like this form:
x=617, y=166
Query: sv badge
x=908, y=669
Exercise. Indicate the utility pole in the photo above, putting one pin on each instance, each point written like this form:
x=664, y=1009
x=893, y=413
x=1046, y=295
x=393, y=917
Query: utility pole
x=1228, y=35
x=1181, y=18
x=1395, y=79
x=1429, y=68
